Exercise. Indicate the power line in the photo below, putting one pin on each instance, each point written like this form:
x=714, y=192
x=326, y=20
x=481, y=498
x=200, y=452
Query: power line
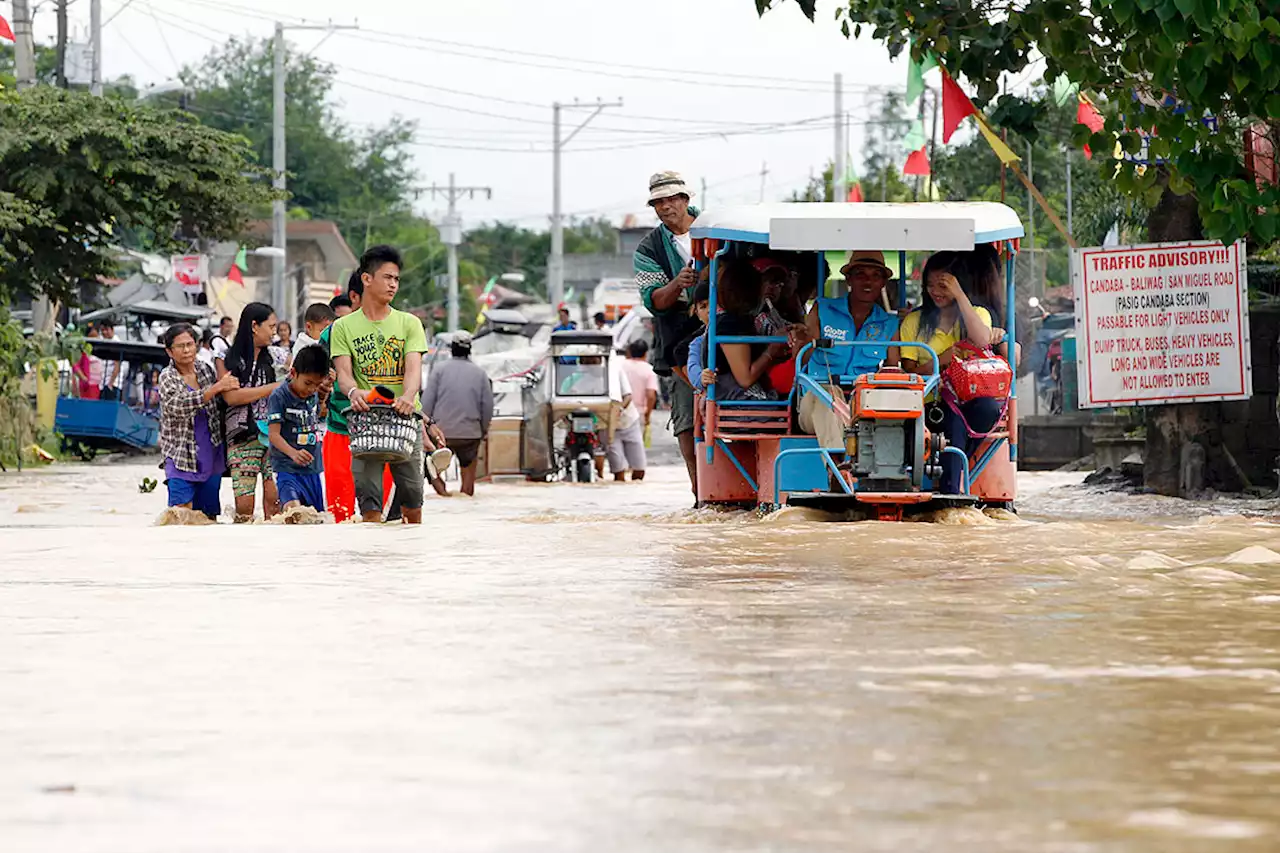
x=681, y=76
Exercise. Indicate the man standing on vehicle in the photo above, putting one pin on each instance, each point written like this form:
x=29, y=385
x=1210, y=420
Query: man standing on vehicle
x=665, y=277
x=459, y=398
x=858, y=317
x=379, y=345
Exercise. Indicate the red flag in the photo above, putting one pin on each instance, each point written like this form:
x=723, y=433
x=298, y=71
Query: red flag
x=956, y=107
x=917, y=163
x=235, y=275
x=5, y=31
x=855, y=193
x=1089, y=116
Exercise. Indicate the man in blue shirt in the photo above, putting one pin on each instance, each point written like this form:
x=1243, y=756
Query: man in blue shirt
x=858, y=317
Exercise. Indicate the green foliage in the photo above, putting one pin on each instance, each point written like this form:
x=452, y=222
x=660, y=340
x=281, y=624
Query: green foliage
x=18, y=427
x=1220, y=57
x=75, y=169
x=502, y=248
x=335, y=171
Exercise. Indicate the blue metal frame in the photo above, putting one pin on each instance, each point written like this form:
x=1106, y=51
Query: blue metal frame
x=825, y=452
x=964, y=469
x=814, y=387
x=1011, y=319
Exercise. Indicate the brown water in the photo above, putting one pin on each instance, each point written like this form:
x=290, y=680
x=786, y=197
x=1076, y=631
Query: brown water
x=585, y=668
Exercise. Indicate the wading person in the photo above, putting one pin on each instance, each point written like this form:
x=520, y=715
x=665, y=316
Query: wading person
x=258, y=366
x=191, y=424
x=295, y=412
x=664, y=274
x=380, y=346
x=644, y=384
x=459, y=399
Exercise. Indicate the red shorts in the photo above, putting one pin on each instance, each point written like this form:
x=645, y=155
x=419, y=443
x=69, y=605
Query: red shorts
x=339, y=485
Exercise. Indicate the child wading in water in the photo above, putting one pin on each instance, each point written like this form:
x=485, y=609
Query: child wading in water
x=295, y=411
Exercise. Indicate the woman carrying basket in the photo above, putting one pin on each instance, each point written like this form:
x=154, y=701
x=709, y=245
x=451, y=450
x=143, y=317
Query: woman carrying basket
x=380, y=347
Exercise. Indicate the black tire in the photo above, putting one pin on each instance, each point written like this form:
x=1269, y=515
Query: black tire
x=582, y=468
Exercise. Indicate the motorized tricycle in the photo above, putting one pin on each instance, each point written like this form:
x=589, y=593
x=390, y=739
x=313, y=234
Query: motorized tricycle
x=752, y=452
x=581, y=404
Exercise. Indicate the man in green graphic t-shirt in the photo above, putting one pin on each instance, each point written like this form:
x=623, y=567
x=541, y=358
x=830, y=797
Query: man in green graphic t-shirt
x=379, y=345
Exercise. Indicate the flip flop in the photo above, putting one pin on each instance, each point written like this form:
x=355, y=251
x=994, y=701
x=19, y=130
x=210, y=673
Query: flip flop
x=441, y=460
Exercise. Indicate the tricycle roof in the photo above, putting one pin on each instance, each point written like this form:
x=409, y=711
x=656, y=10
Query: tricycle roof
x=582, y=338
x=822, y=226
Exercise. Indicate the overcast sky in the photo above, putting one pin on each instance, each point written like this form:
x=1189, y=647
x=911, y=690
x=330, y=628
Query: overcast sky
x=480, y=76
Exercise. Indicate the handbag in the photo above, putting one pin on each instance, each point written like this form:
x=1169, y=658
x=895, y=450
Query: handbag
x=976, y=372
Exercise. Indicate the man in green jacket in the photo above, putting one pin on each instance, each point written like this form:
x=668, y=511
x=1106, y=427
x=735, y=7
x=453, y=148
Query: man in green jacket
x=665, y=277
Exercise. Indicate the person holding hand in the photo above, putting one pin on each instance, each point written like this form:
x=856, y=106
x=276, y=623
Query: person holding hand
x=191, y=429
x=295, y=412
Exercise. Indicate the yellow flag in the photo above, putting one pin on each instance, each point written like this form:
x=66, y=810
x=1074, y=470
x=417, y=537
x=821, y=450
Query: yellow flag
x=1003, y=151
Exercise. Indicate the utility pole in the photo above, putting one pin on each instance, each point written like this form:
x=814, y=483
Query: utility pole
x=95, y=41
x=451, y=236
x=839, y=186
x=285, y=303
x=555, y=264
x=1031, y=225
x=60, y=71
x=933, y=141
x=1070, y=219
x=24, y=56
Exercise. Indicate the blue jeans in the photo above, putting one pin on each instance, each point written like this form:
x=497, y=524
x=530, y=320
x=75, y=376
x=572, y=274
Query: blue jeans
x=204, y=497
x=982, y=415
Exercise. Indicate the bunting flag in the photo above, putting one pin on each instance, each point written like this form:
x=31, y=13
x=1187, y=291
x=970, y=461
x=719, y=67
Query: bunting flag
x=915, y=138
x=956, y=106
x=6, y=32
x=915, y=75
x=1064, y=90
x=917, y=163
x=1088, y=115
x=998, y=145
x=852, y=181
x=239, y=266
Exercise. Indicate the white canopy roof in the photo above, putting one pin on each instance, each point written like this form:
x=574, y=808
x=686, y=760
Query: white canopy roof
x=822, y=226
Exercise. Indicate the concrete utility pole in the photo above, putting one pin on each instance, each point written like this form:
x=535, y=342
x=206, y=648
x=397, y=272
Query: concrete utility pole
x=95, y=41
x=839, y=186
x=1071, y=228
x=555, y=264
x=1031, y=226
x=451, y=236
x=284, y=303
x=24, y=51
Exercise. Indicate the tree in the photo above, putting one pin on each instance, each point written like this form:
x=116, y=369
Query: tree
x=75, y=170
x=335, y=171
x=1188, y=77
x=502, y=248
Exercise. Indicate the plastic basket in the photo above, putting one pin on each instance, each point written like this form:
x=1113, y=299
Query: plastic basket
x=382, y=434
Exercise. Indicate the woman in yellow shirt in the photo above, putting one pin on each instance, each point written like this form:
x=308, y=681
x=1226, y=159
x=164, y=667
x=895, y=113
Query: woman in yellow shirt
x=946, y=316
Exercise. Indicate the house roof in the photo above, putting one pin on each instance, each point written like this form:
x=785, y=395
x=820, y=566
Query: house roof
x=323, y=232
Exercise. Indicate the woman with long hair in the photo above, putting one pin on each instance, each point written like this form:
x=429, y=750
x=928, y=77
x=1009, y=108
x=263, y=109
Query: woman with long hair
x=947, y=315
x=190, y=426
x=741, y=367
x=259, y=367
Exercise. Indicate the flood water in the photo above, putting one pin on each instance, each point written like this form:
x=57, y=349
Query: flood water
x=596, y=668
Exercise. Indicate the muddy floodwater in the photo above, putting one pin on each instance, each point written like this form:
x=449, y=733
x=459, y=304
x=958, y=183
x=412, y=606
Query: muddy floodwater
x=598, y=668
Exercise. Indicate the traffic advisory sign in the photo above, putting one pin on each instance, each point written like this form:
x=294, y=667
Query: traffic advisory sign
x=1162, y=323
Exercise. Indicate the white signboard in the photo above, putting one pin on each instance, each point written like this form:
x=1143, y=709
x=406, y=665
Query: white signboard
x=1162, y=323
